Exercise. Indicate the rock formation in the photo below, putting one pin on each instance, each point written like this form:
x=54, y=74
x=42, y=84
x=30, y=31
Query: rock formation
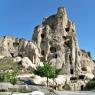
x=54, y=40
x=13, y=47
x=57, y=42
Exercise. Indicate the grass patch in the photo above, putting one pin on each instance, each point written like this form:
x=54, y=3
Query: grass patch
x=8, y=63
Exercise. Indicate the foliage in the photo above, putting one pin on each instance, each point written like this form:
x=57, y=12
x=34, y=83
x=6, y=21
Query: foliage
x=90, y=85
x=9, y=76
x=47, y=71
x=8, y=63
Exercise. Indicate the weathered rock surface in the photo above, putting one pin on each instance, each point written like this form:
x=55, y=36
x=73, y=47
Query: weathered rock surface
x=17, y=59
x=57, y=42
x=14, y=47
x=26, y=62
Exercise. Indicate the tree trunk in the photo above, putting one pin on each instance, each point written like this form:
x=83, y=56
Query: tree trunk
x=12, y=90
x=47, y=81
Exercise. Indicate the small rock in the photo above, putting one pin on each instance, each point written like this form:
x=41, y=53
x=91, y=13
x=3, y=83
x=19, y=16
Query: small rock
x=17, y=59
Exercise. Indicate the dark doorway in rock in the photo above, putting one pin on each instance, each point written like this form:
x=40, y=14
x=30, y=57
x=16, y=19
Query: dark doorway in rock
x=20, y=55
x=12, y=54
x=68, y=43
x=78, y=53
x=55, y=55
x=82, y=77
x=52, y=49
x=42, y=36
x=55, y=88
x=15, y=44
x=8, y=44
x=67, y=29
x=71, y=71
x=70, y=59
x=73, y=78
x=82, y=87
x=42, y=52
x=62, y=87
x=64, y=37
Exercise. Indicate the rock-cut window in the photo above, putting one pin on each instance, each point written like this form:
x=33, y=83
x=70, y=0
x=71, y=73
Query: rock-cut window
x=55, y=56
x=42, y=52
x=67, y=29
x=52, y=49
x=42, y=36
x=71, y=71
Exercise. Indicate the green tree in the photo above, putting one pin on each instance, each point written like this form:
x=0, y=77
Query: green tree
x=1, y=77
x=9, y=76
x=47, y=71
x=13, y=79
x=90, y=85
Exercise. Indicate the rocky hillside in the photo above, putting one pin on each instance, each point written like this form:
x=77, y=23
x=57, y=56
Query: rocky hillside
x=54, y=40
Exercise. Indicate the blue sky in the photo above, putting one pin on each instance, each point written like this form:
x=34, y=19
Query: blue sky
x=19, y=17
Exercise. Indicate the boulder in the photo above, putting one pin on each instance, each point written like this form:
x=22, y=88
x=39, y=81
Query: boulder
x=5, y=86
x=32, y=52
x=63, y=79
x=39, y=80
x=26, y=62
x=1, y=57
x=17, y=59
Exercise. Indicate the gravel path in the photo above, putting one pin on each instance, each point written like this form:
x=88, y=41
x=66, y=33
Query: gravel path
x=75, y=93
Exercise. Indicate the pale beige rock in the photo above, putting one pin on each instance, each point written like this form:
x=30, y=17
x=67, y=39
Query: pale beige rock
x=26, y=62
x=17, y=59
x=89, y=76
x=57, y=42
x=32, y=52
x=1, y=57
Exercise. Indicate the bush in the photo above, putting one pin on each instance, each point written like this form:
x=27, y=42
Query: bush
x=9, y=76
x=90, y=85
x=1, y=77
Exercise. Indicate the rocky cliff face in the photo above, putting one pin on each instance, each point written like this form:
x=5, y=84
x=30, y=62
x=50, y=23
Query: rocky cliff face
x=54, y=40
x=57, y=42
x=13, y=47
x=10, y=46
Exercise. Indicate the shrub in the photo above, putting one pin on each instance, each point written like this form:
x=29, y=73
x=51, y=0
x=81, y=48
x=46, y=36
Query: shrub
x=90, y=85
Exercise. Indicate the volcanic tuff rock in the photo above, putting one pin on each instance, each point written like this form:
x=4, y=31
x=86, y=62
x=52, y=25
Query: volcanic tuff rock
x=57, y=41
x=54, y=40
x=13, y=47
